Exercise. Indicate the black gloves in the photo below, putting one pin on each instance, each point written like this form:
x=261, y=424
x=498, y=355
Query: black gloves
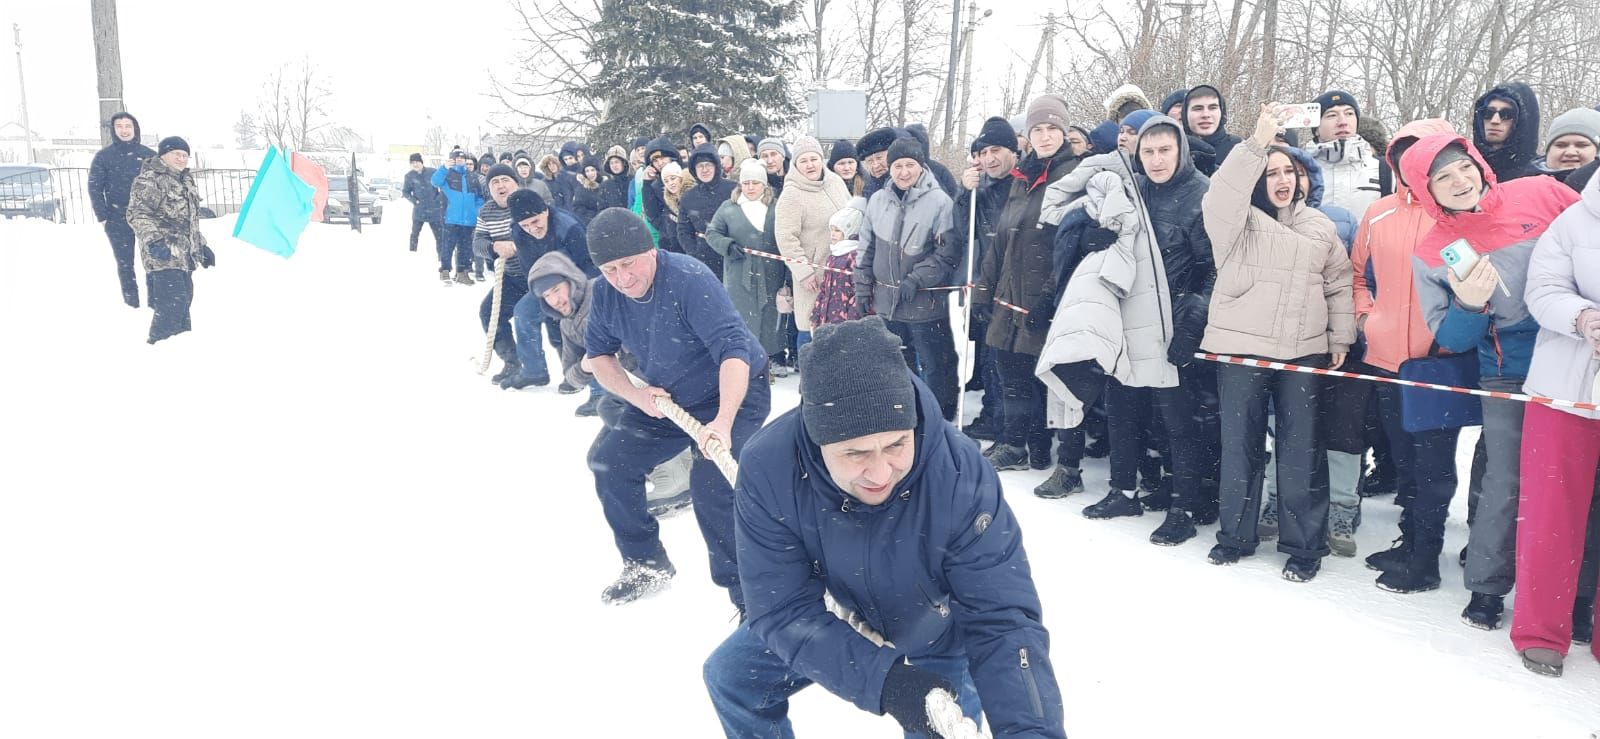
x=206, y=257
x=908, y=290
x=905, y=694
x=1039, y=315
x=1096, y=239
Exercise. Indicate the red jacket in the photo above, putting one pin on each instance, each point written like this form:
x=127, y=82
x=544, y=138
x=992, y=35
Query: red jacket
x=1385, y=238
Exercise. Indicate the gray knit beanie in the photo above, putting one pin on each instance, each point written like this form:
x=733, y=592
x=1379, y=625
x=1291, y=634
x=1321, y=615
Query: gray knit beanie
x=854, y=382
x=1581, y=121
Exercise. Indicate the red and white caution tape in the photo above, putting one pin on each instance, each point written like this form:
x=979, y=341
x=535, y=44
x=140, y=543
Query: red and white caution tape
x=1266, y=364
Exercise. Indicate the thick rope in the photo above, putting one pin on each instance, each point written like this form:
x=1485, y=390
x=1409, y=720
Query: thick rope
x=714, y=451
x=494, y=314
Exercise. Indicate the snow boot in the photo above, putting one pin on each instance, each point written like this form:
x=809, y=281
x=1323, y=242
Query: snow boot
x=1542, y=661
x=1301, y=569
x=1116, y=504
x=981, y=428
x=1267, y=527
x=462, y=278
x=1224, y=555
x=1006, y=457
x=508, y=371
x=1063, y=482
x=1391, y=558
x=639, y=578
x=1484, y=611
x=1583, y=620
x=1176, y=529
x=1039, y=458
x=1413, y=572
x=590, y=407
x=667, y=486
x=520, y=381
x=565, y=388
x=1342, y=531
x=444, y=277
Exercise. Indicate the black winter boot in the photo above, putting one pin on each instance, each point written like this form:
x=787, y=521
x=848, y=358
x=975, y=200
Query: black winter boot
x=1006, y=457
x=590, y=407
x=1390, y=558
x=1301, y=569
x=1177, y=529
x=1116, y=504
x=639, y=578
x=1415, y=572
x=520, y=381
x=1484, y=611
x=1222, y=554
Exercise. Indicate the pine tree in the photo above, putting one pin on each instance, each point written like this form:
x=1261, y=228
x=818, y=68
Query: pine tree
x=668, y=64
x=244, y=131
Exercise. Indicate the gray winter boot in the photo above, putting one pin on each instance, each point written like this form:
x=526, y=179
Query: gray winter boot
x=1342, y=531
x=1543, y=661
x=1063, y=482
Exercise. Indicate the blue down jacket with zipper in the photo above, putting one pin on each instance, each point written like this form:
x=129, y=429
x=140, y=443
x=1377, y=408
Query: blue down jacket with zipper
x=938, y=570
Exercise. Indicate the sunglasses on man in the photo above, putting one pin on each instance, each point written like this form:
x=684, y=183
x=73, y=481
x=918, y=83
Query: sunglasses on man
x=1504, y=114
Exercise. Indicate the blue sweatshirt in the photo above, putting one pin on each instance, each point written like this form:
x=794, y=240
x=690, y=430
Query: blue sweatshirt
x=682, y=330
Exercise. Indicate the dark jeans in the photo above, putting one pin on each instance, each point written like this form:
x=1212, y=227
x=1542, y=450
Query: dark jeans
x=1432, y=458
x=1022, y=397
x=122, y=249
x=1194, y=436
x=626, y=451
x=436, y=225
x=1302, y=462
x=987, y=368
x=750, y=687
x=930, y=351
x=171, y=293
x=457, y=241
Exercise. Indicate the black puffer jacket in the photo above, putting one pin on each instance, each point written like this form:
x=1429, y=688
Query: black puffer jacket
x=1519, y=156
x=112, y=172
x=1017, y=268
x=698, y=205
x=1174, y=208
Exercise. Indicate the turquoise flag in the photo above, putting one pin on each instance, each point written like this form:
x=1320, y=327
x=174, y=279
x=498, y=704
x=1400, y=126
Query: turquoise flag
x=277, y=209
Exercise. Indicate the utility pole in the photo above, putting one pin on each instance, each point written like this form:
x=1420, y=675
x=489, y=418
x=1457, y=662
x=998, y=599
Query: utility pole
x=966, y=64
x=22, y=90
x=1038, y=54
x=107, y=62
x=950, y=76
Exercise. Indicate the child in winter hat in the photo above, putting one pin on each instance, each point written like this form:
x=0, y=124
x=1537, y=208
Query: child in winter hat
x=836, y=290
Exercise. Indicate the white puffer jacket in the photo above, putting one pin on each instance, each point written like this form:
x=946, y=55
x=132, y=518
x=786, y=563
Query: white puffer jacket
x=1117, y=308
x=1350, y=173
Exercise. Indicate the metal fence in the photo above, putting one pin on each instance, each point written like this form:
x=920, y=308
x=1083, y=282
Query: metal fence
x=62, y=194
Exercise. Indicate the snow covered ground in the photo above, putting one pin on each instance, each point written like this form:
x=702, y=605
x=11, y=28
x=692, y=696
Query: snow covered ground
x=311, y=518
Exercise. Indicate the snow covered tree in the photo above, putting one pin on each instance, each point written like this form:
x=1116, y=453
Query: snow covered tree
x=667, y=64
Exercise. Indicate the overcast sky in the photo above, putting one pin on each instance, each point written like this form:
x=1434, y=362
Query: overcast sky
x=189, y=67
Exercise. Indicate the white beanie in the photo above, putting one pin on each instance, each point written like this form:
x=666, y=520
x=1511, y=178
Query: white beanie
x=751, y=170
x=672, y=169
x=848, y=218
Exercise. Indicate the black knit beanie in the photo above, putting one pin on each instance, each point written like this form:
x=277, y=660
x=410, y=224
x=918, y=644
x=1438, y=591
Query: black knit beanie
x=906, y=148
x=997, y=131
x=854, y=382
x=842, y=149
x=525, y=204
x=616, y=233
x=502, y=170
x=1333, y=98
x=172, y=143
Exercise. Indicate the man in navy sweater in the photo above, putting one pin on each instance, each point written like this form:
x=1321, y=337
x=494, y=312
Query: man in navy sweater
x=672, y=314
x=867, y=494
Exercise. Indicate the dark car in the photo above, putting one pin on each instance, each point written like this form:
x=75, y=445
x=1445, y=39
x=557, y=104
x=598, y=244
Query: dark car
x=25, y=192
x=338, y=207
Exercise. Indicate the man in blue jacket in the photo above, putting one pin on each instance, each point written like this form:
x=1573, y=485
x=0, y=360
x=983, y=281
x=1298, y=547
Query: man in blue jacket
x=866, y=494
x=111, y=177
x=538, y=230
x=675, y=317
x=462, y=200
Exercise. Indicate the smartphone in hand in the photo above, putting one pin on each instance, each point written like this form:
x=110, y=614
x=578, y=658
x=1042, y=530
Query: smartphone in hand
x=1300, y=115
x=1460, y=257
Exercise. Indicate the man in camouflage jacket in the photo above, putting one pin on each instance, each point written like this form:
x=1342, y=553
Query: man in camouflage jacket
x=164, y=213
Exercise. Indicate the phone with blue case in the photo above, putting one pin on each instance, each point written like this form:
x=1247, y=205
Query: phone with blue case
x=1460, y=257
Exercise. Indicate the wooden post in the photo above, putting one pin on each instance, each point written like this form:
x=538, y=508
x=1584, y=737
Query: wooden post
x=107, y=63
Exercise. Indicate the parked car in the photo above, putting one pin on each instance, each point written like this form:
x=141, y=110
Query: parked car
x=338, y=207
x=25, y=192
x=384, y=187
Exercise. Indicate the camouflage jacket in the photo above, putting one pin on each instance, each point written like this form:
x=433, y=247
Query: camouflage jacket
x=164, y=212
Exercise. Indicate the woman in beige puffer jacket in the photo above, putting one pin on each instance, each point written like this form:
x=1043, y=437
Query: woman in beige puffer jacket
x=1282, y=293
x=801, y=224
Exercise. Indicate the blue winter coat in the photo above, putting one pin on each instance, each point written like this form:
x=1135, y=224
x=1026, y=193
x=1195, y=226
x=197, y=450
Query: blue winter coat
x=938, y=570
x=1343, y=221
x=566, y=235
x=461, y=204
